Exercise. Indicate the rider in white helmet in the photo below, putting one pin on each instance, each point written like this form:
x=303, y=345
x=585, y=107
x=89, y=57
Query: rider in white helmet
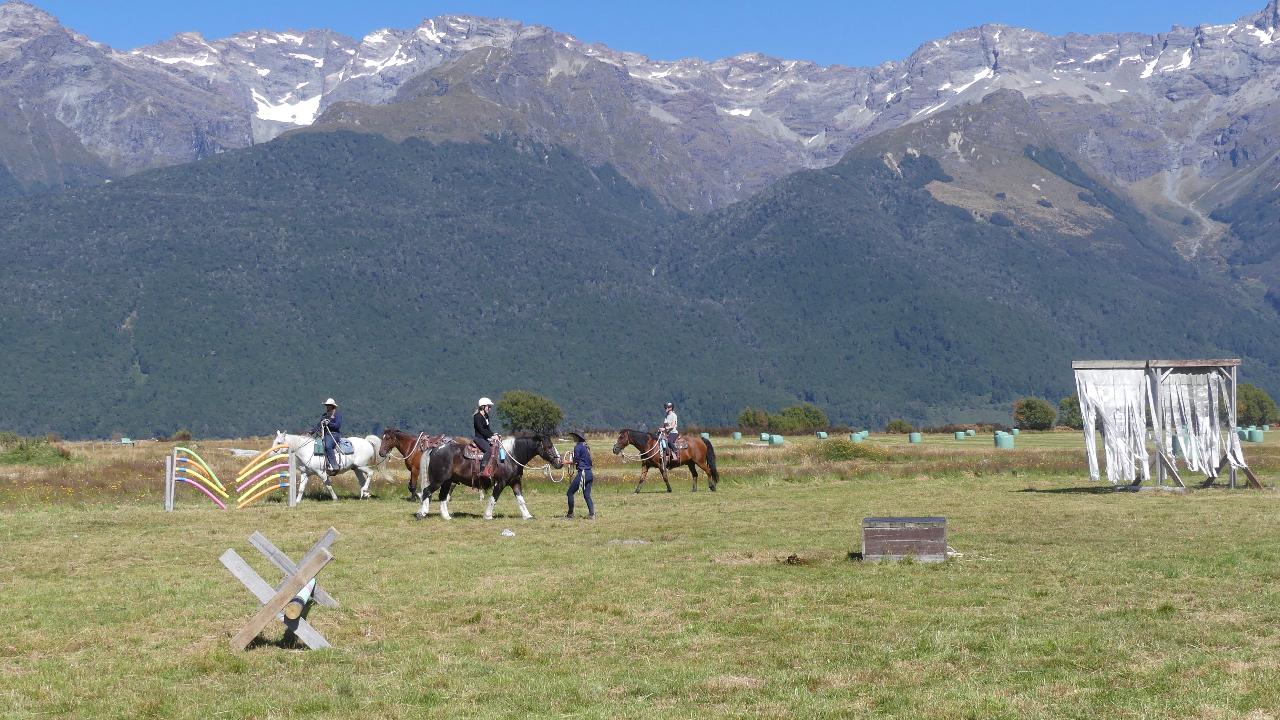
x=482, y=432
x=670, y=429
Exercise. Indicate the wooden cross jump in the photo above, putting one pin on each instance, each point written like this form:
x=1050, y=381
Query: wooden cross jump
x=274, y=600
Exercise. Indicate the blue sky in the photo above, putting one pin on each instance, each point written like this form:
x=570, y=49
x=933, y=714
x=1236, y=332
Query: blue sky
x=853, y=32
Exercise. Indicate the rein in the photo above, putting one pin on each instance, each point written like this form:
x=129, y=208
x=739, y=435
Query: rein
x=546, y=468
x=644, y=455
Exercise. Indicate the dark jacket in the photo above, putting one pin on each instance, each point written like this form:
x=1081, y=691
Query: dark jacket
x=480, y=424
x=335, y=423
x=581, y=456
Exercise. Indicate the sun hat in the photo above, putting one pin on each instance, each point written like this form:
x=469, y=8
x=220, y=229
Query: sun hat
x=331, y=401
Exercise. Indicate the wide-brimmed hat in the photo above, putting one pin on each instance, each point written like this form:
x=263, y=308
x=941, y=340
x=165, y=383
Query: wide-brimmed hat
x=331, y=401
x=577, y=435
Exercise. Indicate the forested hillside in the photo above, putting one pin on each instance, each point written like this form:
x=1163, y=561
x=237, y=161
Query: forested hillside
x=406, y=279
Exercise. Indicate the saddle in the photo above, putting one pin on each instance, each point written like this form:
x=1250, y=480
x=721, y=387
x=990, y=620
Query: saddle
x=470, y=450
x=431, y=442
x=680, y=443
x=343, y=447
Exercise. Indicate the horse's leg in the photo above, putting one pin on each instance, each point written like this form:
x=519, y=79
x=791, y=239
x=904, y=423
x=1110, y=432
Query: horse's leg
x=706, y=468
x=412, y=467
x=498, y=487
x=446, y=491
x=328, y=483
x=694, y=471
x=518, y=489
x=302, y=482
x=493, y=494
x=666, y=480
x=644, y=472
x=432, y=484
x=363, y=479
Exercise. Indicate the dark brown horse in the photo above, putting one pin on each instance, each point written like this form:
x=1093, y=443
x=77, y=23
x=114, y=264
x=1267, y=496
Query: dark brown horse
x=448, y=465
x=699, y=454
x=412, y=447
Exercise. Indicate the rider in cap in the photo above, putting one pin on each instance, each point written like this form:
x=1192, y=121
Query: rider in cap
x=668, y=431
x=482, y=432
x=330, y=430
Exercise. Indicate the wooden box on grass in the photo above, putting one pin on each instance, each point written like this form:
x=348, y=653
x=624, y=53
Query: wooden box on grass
x=923, y=539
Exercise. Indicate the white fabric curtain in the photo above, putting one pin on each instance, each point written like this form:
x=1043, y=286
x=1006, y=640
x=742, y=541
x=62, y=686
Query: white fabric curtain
x=1115, y=402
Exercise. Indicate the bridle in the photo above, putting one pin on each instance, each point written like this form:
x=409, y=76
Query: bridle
x=644, y=455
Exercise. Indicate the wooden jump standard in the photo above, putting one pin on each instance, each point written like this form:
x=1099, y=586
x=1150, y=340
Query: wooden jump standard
x=291, y=600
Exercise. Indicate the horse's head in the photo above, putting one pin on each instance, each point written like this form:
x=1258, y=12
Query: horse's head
x=624, y=439
x=547, y=451
x=281, y=439
x=390, y=440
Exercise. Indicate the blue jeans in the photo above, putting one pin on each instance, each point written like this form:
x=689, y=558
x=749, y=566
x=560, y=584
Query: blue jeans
x=584, y=478
x=330, y=444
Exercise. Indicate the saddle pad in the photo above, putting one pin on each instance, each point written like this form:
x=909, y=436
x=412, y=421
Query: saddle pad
x=345, y=447
x=681, y=443
x=431, y=442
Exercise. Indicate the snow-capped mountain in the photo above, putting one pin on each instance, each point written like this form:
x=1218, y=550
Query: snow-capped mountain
x=1169, y=116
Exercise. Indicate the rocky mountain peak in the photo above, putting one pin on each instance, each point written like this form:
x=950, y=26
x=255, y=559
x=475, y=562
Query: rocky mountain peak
x=1269, y=18
x=17, y=16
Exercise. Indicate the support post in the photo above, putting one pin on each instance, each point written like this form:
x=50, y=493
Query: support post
x=1234, y=424
x=1157, y=422
x=168, y=483
x=293, y=481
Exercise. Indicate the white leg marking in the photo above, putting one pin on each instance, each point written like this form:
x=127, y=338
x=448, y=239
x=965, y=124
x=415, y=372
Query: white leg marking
x=426, y=506
x=488, y=508
x=524, y=509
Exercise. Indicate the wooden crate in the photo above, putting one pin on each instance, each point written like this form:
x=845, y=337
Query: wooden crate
x=923, y=539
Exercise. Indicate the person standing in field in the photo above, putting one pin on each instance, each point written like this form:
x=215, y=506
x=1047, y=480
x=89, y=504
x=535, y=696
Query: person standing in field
x=581, y=459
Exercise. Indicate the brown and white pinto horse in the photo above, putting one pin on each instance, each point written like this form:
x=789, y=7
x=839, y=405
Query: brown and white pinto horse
x=411, y=447
x=699, y=454
x=447, y=466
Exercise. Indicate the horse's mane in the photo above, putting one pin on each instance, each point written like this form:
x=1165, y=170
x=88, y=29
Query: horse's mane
x=631, y=431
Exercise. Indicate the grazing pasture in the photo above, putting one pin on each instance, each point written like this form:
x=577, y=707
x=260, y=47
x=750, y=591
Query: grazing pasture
x=1066, y=600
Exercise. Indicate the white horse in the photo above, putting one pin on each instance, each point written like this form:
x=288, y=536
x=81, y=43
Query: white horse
x=362, y=462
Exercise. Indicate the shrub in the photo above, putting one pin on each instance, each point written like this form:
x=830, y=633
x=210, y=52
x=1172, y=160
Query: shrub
x=1254, y=406
x=35, y=452
x=1033, y=413
x=839, y=450
x=898, y=426
x=999, y=219
x=522, y=410
x=753, y=419
x=183, y=435
x=1069, y=413
x=799, y=419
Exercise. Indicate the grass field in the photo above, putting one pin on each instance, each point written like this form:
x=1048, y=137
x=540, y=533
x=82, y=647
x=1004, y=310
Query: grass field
x=1065, y=602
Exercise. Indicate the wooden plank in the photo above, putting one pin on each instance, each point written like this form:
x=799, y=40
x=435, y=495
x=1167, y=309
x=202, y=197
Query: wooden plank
x=1209, y=363
x=1253, y=481
x=282, y=596
x=1108, y=364
x=263, y=591
x=288, y=567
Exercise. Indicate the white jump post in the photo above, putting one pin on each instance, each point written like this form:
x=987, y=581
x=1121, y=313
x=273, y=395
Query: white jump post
x=168, y=483
x=293, y=481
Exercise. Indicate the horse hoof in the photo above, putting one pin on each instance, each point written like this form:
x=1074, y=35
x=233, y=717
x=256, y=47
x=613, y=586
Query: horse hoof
x=420, y=516
x=695, y=489
x=636, y=491
x=713, y=488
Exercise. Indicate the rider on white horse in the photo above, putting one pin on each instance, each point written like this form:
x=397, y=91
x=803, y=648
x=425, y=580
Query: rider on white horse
x=330, y=429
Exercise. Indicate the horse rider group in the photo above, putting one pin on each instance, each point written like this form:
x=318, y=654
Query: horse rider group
x=329, y=429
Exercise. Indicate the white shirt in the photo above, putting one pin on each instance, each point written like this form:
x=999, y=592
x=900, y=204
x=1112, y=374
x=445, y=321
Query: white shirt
x=670, y=422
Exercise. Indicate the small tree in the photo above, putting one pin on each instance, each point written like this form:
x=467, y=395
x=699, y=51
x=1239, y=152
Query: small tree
x=1069, y=412
x=1254, y=406
x=898, y=426
x=753, y=419
x=1033, y=413
x=523, y=410
x=799, y=419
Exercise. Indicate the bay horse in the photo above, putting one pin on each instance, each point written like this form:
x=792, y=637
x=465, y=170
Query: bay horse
x=699, y=454
x=411, y=447
x=446, y=466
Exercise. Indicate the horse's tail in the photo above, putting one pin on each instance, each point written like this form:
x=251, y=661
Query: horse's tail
x=711, y=460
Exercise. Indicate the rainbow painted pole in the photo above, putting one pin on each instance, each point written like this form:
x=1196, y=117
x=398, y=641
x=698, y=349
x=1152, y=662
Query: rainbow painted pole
x=272, y=469
x=186, y=466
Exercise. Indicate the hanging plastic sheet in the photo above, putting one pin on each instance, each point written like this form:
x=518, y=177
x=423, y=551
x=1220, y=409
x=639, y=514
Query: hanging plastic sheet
x=1193, y=404
x=1114, y=401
